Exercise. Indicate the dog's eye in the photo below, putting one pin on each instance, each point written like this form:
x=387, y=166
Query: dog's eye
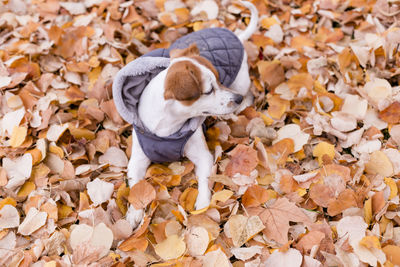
x=210, y=92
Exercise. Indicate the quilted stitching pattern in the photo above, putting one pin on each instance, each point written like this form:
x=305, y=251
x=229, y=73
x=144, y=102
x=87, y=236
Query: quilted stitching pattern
x=218, y=45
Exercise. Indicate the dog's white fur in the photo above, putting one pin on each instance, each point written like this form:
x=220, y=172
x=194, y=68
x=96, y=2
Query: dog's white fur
x=165, y=117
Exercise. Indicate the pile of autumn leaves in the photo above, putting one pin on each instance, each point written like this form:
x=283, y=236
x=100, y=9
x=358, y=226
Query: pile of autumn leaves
x=307, y=180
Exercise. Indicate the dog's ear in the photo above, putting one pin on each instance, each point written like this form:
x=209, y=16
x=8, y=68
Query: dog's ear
x=183, y=82
x=192, y=50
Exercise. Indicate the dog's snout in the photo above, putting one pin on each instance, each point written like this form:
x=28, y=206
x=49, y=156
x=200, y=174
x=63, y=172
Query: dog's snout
x=238, y=99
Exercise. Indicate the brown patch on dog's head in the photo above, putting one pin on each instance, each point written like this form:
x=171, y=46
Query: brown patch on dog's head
x=192, y=50
x=183, y=82
x=206, y=63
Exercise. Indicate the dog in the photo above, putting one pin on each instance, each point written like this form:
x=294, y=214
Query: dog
x=167, y=93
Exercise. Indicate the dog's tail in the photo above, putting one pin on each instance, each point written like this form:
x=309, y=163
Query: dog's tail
x=252, y=27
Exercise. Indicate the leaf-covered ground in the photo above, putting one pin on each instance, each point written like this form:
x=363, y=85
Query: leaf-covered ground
x=308, y=176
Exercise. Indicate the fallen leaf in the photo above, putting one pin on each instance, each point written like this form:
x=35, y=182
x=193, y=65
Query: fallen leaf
x=18, y=136
x=312, y=238
x=115, y=157
x=379, y=163
x=243, y=160
x=99, y=191
x=197, y=239
x=241, y=228
x=171, y=248
x=276, y=219
x=391, y=113
x=244, y=253
x=392, y=253
x=32, y=222
x=99, y=237
x=9, y=217
x=290, y=258
x=141, y=194
x=215, y=258
x=293, y=132
x=17, y=175
x=324, y=148
x=254, y=196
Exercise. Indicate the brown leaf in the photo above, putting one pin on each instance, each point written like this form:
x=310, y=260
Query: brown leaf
x=243, y=160
x=276, y=219
x=391, y=114
x=141, y=194
x=321, y=194
x=134, y=243
x=345, y=200
x=309, y=240
x=271, y=72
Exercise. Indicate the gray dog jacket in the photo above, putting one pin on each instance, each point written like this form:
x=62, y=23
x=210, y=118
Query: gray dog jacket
x=220, y=46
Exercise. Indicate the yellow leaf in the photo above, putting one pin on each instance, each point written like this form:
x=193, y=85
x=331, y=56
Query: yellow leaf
x=56, y=150
x=50, y=264
x=63, y=211
x=195, y=212
x=79, y=133
x=370, y=242
x=222, y=196
x=268, y=22
x=122, y=192
x=26, y=189
x=322, y=149
x=8, y=201
x=36, y=155
x=393, y=187
x=267, y=120
x=301, y=191
x=94, y=75
x=368, y=211
x=171, y=248
x=18, y=136
x=188, y=198
x=379, y=163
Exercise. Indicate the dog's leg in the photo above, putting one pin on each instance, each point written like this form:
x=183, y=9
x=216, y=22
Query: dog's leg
x=137, y=167
x=196, y=150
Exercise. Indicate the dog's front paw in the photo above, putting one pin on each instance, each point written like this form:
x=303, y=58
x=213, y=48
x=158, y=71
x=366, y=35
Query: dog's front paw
x=134, y=216
x=203, y=199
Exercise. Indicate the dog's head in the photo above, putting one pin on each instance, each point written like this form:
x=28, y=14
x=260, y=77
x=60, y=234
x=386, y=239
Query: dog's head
x=192, y=83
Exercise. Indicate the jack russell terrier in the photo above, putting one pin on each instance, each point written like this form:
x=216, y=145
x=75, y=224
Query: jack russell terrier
x=166, y=95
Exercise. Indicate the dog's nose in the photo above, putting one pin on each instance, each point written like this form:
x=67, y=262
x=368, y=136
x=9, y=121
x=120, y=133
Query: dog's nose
x=238, y=99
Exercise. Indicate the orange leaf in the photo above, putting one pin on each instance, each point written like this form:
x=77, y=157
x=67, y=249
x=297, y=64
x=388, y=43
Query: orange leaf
x=243, y=160
x=132, y=242
x=300, y=41
x=378, y=202
x=309, y=240
x=254, y=196
x=392, y=253
x=271, y=73
x=279, y=152
x=391, y=114
x=345, y=200
x=188, y=198
x=141, y=194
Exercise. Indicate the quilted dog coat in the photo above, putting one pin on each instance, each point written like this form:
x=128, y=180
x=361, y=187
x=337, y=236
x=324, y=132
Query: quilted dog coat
x=220, y=46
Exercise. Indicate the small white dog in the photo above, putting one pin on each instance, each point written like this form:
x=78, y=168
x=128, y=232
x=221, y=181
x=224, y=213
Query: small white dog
x=167, y=100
